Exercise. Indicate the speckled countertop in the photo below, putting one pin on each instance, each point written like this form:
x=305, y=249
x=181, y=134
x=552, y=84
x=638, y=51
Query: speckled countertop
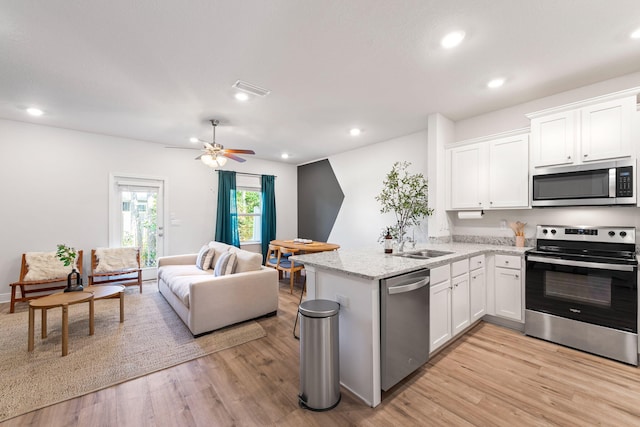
x=371, y=263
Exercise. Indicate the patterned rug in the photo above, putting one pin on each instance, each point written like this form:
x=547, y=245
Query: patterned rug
x=151, y=338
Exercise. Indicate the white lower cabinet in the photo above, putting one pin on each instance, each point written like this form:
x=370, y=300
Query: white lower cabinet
x=477, y=288
x=449, y=302
x=440, y=314
x=508, y=287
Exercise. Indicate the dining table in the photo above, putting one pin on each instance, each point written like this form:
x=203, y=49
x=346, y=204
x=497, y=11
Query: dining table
x=306, y=246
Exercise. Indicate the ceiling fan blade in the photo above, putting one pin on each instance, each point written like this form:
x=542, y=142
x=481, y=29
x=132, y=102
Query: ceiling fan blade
x=234, y=157
x=231, y=150
x=199, y=157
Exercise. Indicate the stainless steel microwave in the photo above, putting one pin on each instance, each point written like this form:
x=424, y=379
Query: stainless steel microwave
x=606, y=183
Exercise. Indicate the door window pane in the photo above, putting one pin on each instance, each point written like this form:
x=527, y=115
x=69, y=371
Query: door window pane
x=139, y=223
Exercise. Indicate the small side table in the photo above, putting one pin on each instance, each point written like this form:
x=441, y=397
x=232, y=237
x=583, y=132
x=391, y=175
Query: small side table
x=105, y=291
x=63, y=300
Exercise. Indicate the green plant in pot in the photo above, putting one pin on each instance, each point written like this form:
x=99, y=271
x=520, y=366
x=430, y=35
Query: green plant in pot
x=68, y=257
x=406, y=195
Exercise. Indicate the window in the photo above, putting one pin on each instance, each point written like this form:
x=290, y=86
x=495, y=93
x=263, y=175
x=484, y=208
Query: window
x=249, y=207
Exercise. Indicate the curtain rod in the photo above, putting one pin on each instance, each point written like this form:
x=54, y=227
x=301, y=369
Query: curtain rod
x=247, y=173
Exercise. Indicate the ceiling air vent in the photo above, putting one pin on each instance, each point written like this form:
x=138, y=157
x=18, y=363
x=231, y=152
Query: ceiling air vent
x=252, y=89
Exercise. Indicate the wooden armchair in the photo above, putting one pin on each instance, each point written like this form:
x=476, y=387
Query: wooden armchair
x=38, y=287
x=116, y=265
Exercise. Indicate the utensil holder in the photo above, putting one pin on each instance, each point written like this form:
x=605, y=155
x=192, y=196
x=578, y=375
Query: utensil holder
x=520, y=241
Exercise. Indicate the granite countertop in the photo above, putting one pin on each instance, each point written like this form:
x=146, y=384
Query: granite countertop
x=371, y=263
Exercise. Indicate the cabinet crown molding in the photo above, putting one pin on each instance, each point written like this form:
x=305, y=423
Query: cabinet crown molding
x=507, y=134
x=584, y=103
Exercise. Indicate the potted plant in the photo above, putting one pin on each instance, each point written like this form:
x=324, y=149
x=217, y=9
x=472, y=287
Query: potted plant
x=68, y=257
x=406, y=195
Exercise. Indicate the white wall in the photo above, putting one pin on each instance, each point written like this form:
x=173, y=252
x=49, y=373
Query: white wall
x=55, y=190
x=360, y=173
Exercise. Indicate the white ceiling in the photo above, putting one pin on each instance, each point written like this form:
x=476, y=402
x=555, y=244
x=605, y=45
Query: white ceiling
x=157, y=70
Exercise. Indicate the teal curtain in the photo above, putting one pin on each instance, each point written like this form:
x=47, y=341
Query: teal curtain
x=267, y=184
x=227, y=215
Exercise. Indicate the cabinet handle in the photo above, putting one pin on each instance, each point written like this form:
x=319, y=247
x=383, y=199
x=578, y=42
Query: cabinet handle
x=473, y=277
x=568, y=157
x=517, y=276
x=506, y=262
x=479, y=203
x=490, y=203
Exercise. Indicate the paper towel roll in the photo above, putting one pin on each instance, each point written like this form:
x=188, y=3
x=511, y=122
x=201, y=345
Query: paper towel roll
x=470, y=214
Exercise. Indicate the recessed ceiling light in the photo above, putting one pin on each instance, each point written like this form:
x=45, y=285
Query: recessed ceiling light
x=635, y=34
x=35, y=111
x=284, y=155
x=452, y=39
x=193, y=139
x=355, y=132
x=495, y=83
x=240, y=96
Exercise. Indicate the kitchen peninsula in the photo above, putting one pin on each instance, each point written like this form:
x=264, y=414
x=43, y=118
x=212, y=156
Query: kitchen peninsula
x=352, y=278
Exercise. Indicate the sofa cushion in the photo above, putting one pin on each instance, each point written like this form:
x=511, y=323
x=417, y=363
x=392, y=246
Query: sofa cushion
x=225, y=264
x=246, y=261
x=169, y=272
x=205, y=256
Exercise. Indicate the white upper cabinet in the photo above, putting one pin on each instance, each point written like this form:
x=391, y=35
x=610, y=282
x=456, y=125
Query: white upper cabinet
x=606, y=130
x=467, y=174
x=553, y=139
x=593, y=130
x=491, y=173
x=508, y=172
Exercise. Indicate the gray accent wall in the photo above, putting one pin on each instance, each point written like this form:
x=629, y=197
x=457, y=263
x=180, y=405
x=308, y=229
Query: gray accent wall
x=319, y=200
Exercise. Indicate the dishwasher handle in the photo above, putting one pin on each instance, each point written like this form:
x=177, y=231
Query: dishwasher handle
x=408, y=288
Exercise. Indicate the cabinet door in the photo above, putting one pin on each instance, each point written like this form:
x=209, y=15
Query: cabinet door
x=460, y=303
x=478, y=293
x=508, y=293
x=509, y=172
x=606, y=129
x=440, y=314
x=467, y=176
x=553, y=139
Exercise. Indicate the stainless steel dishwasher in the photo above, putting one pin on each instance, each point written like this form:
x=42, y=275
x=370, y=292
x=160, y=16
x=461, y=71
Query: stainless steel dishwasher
x=404, y=325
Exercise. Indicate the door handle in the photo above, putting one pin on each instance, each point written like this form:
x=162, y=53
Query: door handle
x=572, y=263
x=410, y=287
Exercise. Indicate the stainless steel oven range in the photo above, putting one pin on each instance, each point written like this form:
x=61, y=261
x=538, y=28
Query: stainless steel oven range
x=582, y=289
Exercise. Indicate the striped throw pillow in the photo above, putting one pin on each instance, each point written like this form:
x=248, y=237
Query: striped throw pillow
x=203, y=261
x=225, y=264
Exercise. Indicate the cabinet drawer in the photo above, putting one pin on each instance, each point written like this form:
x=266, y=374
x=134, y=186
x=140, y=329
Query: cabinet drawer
x=460, y=267
x=439, y=274
x=508, y=261
x=476, y=262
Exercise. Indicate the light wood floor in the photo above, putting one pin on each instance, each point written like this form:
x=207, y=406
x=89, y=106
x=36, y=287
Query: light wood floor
x=490, y=377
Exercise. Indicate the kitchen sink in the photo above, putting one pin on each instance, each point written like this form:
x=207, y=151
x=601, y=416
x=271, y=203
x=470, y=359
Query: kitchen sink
x=423, y=254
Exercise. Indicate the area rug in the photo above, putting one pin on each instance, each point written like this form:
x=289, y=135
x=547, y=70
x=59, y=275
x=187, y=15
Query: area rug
x=151, y=338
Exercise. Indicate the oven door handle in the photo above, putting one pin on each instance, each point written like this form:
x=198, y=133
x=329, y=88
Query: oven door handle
x=572, y=263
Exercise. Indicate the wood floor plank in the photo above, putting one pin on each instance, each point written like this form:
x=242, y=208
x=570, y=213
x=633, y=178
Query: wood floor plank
x=491, y=376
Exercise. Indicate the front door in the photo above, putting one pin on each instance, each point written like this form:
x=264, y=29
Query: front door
x=137, y=218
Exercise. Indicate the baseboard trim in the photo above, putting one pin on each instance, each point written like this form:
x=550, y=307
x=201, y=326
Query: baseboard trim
x=507, y=323
x=5, y=297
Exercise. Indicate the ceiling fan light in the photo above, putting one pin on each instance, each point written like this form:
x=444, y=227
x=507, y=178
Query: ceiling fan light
x=221, y=160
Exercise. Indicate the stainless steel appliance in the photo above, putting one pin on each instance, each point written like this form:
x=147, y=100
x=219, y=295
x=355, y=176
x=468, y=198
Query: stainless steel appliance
x=607, y=183
x=582, y=289
x=404, y=325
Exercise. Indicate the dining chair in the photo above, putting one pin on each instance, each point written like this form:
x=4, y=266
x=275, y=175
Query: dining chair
x=286, y=265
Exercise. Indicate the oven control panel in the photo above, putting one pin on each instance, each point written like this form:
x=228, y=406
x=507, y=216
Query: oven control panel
x=587, y=234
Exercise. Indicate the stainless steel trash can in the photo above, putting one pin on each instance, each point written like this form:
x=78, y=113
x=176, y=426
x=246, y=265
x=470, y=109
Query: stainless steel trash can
x=319, y=357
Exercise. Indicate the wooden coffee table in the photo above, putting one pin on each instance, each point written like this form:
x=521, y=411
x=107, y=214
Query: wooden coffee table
x=104, y=291
x=63, y=300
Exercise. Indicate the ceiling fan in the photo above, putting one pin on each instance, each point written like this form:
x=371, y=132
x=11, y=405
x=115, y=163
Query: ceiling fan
x=216, y=155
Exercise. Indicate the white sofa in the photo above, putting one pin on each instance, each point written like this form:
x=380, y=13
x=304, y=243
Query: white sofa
x=205, y=302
